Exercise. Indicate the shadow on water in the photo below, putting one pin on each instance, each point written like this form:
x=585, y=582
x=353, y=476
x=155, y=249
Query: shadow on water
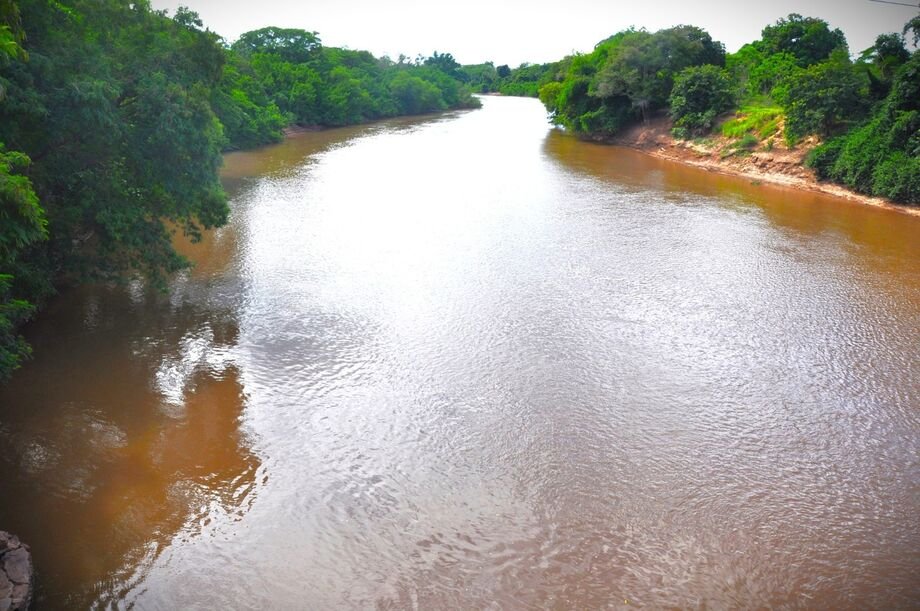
x=123, y=435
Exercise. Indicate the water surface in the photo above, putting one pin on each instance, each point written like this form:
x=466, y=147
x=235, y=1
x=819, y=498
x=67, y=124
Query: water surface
x=470, y=362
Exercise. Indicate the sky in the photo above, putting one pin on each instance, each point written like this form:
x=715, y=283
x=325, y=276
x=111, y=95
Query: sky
x=536, y=31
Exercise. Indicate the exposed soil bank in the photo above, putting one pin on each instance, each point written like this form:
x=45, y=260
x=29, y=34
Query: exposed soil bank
x=781, y=165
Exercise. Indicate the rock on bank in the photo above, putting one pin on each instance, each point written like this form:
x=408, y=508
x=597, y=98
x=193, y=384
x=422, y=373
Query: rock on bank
x=15, y=573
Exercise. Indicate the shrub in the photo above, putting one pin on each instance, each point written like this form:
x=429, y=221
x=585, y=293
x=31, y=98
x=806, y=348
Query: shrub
x=898, y=178
x=700, y=94
x=822, y=158
x=749, y=141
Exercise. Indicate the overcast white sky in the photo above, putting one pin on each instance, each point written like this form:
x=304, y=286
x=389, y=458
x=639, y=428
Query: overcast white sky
x=536, y=31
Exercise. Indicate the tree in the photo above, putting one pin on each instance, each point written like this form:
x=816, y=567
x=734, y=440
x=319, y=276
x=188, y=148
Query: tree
x=132, y=149
x=913, y=26
x=887, y=55
x=290, y=44
x=415, y=95
x=444, y=62
x=823, y=98
x=700, y=94
x=503, y=71
x=640, y=66
x=808, y=39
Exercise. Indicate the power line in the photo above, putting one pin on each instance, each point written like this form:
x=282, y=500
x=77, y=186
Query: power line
x=898, y=3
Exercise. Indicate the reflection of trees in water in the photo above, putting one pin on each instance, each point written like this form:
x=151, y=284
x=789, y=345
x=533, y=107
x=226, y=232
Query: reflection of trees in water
x=106, y=457
x=806, y=212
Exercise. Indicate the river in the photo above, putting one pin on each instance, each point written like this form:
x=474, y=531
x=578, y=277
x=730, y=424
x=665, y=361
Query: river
x=468, y=361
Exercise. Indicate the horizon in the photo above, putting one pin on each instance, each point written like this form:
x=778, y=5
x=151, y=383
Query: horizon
x=537, y=34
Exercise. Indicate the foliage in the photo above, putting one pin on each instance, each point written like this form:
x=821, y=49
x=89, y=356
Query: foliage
x=882, y=157
x=481, y=78
x=274, y=77
x=760, y=120
x=627, y=77
x=414, y=95
x=22, y=224
x=445, y=63
x=742, y=147
x=822, y=99
x=525, y=80
x=136, y=88
x=249, y=116
x=699, y=95
x=808, y=39
x=290, y=45
x=13, y=312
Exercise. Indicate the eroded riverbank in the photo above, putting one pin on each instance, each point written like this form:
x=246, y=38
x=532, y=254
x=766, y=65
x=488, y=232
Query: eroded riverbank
x=780, y=166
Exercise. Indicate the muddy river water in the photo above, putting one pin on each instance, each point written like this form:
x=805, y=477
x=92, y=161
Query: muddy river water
x=471, y=362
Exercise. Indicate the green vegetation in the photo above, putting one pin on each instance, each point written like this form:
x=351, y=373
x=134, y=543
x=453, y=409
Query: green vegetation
x=113, y=118
x=699, y=95
x=764, y=121
x=276, y=77
x=798, y=78
x=881, y=157
x=525, y=80
x=627, y=78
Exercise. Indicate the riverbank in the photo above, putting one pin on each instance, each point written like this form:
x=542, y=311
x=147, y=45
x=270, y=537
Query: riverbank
x=780, y=165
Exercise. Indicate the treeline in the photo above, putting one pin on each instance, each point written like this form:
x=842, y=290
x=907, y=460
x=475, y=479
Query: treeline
x=525, y=80
x=275, y=77
x=113, y=117
x=797, y=80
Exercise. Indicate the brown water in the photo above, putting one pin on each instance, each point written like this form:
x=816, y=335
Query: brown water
x=470, y=362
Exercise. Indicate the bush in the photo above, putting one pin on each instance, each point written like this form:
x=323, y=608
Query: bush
x=898, y=178
x=822, y=158
x=823, y=98
x=700, y=94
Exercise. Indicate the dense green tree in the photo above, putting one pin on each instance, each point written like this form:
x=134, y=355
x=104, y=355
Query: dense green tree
x=22, y=219
x=881, y=157
x=446, y=63
x=249, y=116
x=277, y=76
x=824, y=98
x=808, y=39
x=128, y=86
x=480, y=77
x=627, y=77
x=291, y=45
x=415, y=95
x=699, y=95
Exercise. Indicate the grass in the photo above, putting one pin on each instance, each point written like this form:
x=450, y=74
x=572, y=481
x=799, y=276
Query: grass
x=742, y=147
x=760, y=121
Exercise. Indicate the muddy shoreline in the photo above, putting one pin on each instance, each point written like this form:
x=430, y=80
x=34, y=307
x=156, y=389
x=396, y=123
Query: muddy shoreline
x=779, y=166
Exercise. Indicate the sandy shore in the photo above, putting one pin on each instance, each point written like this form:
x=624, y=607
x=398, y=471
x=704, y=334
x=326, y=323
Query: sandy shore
x=780, y=165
